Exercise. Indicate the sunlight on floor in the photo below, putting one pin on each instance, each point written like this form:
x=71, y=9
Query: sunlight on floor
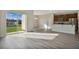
x=47, y=36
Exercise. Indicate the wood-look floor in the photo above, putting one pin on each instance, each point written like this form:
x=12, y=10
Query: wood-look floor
x=63, y=41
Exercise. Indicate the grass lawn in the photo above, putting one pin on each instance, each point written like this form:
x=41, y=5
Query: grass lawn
x=13, y=28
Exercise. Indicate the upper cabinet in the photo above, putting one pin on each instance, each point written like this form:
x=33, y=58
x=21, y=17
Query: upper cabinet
x=65, y=18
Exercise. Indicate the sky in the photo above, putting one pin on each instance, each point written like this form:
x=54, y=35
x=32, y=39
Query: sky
x=12, y=15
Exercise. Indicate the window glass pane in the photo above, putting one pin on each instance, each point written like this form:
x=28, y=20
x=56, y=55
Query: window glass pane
x=13, y=22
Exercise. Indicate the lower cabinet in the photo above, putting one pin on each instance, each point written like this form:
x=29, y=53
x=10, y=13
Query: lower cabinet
x=64, y=28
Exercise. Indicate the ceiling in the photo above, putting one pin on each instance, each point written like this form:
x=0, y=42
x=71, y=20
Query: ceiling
x=42, y=12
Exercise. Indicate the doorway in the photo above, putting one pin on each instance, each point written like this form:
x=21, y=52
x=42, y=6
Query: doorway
x=13, y=22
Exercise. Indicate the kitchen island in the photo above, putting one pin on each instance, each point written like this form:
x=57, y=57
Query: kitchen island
x=64, y=28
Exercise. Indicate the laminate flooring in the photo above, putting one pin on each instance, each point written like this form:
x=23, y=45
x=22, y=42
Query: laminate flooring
x=24, y=41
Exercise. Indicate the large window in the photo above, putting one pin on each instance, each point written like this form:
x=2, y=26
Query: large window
x=14, y=22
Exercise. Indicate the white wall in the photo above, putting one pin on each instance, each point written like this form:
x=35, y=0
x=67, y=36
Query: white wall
x=24, y=22
x=30, y=20
x=46, y=20
x=42, y=12
x=2, y=24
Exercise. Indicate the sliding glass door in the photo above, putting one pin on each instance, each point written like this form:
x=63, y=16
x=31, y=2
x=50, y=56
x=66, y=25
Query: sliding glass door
x=13, y=22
